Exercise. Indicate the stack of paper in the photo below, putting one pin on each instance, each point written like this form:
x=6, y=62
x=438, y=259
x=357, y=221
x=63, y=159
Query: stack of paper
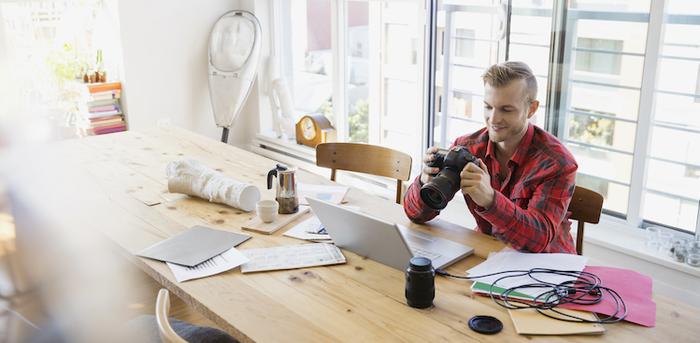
x=230, y=259
x=198, y=252
x=516, y=261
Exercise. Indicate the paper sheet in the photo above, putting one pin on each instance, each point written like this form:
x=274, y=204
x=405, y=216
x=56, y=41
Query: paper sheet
x=332, y=194
x=633, y=287
x=513, y=260
x=292, y=256
x=230, y=259
x=531, y=322
x=307, y=230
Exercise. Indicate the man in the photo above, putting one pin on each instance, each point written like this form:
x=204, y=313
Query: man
x=521, y=188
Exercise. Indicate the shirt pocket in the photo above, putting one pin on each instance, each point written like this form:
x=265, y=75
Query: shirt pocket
x=521, y=197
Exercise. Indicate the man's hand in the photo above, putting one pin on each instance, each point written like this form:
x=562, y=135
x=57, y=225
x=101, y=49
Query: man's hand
x=428, y=172
x=476, y=183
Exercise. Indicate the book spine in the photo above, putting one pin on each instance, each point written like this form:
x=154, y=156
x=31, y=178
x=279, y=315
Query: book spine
x=104, y=108
x=105, y=87
x=104, y=131
x=92, y=115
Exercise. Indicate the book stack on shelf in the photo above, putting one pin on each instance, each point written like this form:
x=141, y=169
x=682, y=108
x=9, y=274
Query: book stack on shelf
x=104, y=110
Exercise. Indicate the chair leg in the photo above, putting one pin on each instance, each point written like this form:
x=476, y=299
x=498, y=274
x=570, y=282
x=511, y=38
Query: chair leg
x=398, y=191
x=333, y=175
x=579, y=238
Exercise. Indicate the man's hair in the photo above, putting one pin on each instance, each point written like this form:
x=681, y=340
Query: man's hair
x=501, y=74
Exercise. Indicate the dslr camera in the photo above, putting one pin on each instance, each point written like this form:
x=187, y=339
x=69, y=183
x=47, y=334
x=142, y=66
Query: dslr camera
x=442, y=188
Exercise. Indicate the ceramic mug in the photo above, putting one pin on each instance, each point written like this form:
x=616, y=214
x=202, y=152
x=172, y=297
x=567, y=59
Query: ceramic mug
x=267, y=210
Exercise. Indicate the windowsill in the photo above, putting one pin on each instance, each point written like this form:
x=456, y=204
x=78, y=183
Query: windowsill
x=611, y=233
x=288, y=151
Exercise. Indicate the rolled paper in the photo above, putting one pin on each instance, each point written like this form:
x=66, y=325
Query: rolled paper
x=195, y=179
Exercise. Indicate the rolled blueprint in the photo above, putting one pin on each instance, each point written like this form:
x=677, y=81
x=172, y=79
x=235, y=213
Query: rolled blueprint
x=194, y=178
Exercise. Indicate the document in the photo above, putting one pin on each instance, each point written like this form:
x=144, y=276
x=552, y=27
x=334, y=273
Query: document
x=291, y=257
x=333, y=194
x=230, y=259
x=309, y=230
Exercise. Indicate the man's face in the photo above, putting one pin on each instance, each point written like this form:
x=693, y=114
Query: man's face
x=506, y=111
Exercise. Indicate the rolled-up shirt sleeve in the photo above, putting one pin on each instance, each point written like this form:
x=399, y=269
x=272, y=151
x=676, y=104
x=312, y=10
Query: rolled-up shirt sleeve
x=417, y=210
x=533, y=228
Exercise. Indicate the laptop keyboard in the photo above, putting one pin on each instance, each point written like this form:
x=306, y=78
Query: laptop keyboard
x=425, y=253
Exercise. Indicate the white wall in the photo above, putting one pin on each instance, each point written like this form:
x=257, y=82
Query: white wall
x=164, y=46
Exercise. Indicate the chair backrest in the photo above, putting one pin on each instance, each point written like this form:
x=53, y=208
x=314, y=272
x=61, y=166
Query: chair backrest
x=585, y=207
x=165, y=331
x=365, y=158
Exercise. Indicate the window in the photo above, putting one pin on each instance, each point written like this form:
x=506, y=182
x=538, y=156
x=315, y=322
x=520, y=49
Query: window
x=360, y=64
x=619, y=83
x=697, y=86
x=598, y=55
x=49, y=46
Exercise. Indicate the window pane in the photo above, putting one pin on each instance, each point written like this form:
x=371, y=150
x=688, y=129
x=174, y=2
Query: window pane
x=601, y=163
x=670, y=210
x=605, y=53
x=675, y=145
x=612, y=101
x=311, y=57
x=614, y=194
x=358, y=64
x=678, y=110
x=613, y=6
x=602, y=132
x=674, y=179
x=476, y=42
x=672, y=187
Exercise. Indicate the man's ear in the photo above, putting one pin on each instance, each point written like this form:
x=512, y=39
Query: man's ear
x=533, y=107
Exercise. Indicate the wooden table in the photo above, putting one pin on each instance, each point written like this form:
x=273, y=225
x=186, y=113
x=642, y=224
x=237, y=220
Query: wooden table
x=122, y=182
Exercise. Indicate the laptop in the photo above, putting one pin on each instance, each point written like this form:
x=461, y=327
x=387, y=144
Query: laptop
x=384, y=242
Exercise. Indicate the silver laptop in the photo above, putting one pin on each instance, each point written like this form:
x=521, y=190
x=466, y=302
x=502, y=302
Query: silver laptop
x=384, y=242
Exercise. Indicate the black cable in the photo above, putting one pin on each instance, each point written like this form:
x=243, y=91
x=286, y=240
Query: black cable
x=585, y=289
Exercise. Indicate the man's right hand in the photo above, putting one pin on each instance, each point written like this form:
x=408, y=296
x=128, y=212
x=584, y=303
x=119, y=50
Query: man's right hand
x=428, y=172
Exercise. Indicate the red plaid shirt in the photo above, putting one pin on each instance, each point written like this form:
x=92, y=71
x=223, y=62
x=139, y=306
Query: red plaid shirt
x=529, y=211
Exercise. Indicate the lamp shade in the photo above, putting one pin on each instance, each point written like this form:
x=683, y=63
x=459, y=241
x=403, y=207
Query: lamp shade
x=234, y=52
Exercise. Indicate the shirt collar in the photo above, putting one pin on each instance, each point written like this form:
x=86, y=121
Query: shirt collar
x=520, y=154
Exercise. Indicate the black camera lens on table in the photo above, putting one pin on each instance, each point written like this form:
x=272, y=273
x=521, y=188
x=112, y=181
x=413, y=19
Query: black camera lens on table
x=442, y=188
x=420, y=283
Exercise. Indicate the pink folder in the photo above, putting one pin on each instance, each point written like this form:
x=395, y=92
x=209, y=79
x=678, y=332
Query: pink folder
x=633, y=287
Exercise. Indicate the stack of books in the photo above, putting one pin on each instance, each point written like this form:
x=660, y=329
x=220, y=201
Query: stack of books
x=104, y=110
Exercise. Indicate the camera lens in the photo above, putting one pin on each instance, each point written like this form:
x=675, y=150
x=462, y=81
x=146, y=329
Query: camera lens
x=420, y=283
x=432, y=196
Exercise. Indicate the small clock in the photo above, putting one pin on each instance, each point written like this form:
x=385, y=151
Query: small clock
x=314, y=129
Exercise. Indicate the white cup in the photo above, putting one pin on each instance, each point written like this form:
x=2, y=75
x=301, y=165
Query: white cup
x=267, y=210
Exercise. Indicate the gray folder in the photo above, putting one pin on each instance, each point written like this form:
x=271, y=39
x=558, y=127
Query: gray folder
x=193, y=246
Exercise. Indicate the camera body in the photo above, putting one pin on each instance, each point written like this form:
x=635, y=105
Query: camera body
x=442, y=188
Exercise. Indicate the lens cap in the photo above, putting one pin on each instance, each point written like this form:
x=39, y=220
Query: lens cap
x=485, y=324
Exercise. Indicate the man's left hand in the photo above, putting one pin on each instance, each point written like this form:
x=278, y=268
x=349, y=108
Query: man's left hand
x=476, y=183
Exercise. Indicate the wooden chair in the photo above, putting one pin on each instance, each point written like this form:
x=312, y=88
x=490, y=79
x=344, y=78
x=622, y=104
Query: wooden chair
x=365, y=158
x=165, y=331
x=585, y=207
